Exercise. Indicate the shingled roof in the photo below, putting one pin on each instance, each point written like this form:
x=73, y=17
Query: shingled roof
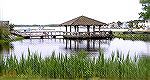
x=83, y=21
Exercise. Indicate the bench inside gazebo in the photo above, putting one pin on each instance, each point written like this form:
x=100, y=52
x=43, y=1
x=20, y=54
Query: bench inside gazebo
x=83, y=21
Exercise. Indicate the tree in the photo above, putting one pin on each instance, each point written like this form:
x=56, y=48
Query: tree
x=136, y=22
x=146, y=9
x=4, y=31
x=130, y=24
x=11, y=26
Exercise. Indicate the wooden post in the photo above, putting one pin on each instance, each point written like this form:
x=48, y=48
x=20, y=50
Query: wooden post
x=99, y=44
x=70, y=44
x=77, y=28
x=99, y=27
x=93, y=44
x=77, y=31
x=70, y=30
x=51, y=34
x=94, y=30
x=88, y=44
x=75, y=44
x=88, y=30
x=99, y=30
x=66, y=30
x=66, y=43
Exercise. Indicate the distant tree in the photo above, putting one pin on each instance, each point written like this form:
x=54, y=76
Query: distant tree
x=119, y=23
x=11, y=27
x=130, y=24
x=136, y=22
x=146, y=9
x=113, y=24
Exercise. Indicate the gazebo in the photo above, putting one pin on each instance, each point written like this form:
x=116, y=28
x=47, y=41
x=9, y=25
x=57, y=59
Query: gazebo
x=83, y=21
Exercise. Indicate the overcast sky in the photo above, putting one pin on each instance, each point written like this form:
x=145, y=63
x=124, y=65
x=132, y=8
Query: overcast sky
x=58, y=11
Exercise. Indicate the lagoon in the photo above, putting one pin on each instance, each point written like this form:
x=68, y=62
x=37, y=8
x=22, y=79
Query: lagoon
x=45, y=47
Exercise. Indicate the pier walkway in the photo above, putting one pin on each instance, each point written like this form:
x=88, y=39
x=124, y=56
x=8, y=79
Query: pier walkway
x=88, y=35
x=38, y=34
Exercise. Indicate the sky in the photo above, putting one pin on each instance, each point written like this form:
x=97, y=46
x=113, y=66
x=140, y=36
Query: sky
x=58, y=11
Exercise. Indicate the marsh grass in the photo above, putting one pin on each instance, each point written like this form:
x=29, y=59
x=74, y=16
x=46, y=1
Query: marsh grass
x=131, y=36
x=76, y=66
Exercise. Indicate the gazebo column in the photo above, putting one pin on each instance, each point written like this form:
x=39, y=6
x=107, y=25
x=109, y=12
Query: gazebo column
x=66, y=30
x=70, y=30
x=88, y=30
x=77, y=28
x=66, y=44
x=93, y=29
x=99, y=27
x=75, y=44
x=70, y=44
x=93, y=44
x=88, y=44
x=99, y=44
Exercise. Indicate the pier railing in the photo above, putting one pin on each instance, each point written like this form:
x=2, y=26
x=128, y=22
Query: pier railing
x=39, y=34
x=96, y=34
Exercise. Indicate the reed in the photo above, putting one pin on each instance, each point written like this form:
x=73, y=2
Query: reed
x=76, y=66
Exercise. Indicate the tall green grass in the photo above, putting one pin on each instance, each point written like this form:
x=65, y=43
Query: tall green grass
x=76, y=65
x=131, y=36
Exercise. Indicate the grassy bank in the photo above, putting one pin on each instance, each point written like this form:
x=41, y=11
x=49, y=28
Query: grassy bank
x=76, y=66
x=131, y=36
x=10, y=40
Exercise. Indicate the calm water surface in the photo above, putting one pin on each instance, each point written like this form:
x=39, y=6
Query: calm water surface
x=60, y=46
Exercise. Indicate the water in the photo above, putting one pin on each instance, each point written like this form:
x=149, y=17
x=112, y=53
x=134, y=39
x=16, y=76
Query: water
x=61, y=46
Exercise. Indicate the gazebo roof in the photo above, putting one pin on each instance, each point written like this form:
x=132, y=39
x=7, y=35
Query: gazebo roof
x=83, y=21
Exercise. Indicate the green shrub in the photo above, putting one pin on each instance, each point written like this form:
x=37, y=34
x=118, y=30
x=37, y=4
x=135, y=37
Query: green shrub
x=77, y=65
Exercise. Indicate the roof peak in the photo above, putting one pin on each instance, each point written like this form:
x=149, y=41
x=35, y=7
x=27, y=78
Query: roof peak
x=82, y=21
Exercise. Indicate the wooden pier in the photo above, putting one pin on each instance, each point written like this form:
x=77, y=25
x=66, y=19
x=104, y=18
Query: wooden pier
x=39, y=34
x=81, y=21
x=88, y=35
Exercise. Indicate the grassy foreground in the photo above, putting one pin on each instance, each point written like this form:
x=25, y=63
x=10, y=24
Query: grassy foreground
x=76, y=66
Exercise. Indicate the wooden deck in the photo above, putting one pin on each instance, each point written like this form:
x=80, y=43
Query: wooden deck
x=67, y=35
x=88, y=35
x=49, y=34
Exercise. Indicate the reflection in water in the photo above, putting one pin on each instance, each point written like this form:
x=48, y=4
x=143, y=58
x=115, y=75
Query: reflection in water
x=46, y=46
x=87, y=45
